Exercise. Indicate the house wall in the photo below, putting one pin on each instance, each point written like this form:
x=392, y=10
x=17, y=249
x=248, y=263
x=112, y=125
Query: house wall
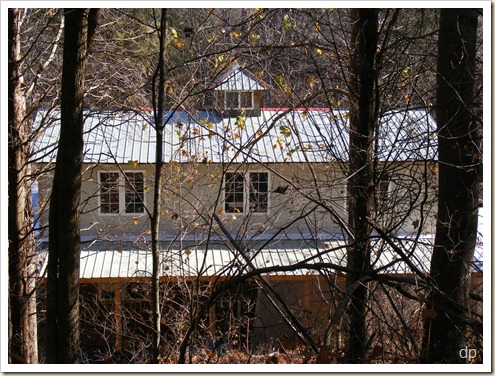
x=192, y=192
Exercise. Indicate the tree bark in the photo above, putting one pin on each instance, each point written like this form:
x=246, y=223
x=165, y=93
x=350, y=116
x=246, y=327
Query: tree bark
x=23, y=342
x=363, y=122
x=459, y=139
x=64, y=225
x=159, y=107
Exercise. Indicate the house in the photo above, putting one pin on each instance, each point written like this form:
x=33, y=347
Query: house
x=245, y=187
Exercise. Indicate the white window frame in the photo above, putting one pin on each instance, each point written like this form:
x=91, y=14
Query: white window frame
x=246, y=193
x=239, y=101
x=121, y=182
x=383, y=193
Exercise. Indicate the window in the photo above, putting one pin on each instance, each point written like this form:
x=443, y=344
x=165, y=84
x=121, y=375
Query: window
x=238, y=99
x=382, y=192
x=134, y=192
x=234, y=192
x=248, y=190
x=121, y=193
x=258, y=192
x=109, y=192
x=137, y=291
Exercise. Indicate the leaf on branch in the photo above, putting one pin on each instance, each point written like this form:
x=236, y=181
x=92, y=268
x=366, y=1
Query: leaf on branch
x=134, y=220
x=285, y=131
x=178, y=43
x=174, y=32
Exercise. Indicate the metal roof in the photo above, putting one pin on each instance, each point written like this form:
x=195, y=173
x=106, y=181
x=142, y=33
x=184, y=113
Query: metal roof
x=275, y=136
x=285, y=257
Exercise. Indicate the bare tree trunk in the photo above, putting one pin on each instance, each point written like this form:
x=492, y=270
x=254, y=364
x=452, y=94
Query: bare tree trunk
x=23, y=342
x=459, y=156
x=363, y=122
x=64, y=225
x=159, y=107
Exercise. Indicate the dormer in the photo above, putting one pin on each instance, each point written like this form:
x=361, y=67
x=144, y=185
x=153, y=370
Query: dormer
x=238, y=90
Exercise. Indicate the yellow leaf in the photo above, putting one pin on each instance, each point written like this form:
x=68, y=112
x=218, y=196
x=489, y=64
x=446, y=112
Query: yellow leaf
x=187, y=251
x=234, y=217
x=148, y=232
x=319, y=51
x=220, y=212
x=178, y=43
x=174, y=32
x=134, y=220
x=196, y=131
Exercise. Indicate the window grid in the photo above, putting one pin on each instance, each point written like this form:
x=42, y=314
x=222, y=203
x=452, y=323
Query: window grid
x=236, y=186
x=109, y=192
x=234, y=192
x=119, y=194
x=134, y=192
x=238, y=99
x=258, y=192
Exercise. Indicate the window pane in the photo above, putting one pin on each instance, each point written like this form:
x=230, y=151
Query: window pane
x=109, y=192
x=247, y=99
x=134, y=192
x=234, y=192
x=231, y=99
x=258, y=192
x=382, y=193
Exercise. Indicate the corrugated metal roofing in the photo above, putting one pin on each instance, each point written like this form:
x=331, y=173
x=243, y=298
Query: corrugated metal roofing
x=219, y=259
x=275, y=136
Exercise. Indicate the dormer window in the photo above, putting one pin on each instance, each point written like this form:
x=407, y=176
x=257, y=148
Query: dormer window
x=238, y=89
x=235, y=100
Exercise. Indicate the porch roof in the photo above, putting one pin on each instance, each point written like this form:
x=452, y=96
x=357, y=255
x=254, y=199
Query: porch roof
x=219, y=259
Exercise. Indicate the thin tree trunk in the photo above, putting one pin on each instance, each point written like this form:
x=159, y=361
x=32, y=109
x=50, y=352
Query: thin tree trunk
x=159, y=107
x=363, y=122
x=459, y=175
x=64, y=226
x=23, y=342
